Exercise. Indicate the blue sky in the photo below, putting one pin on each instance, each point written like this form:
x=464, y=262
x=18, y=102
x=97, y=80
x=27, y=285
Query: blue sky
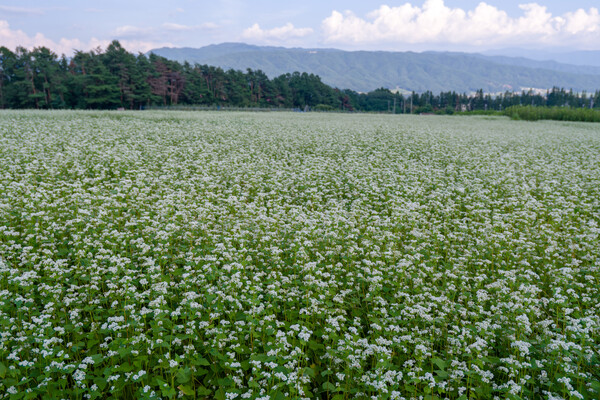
x=354, y=25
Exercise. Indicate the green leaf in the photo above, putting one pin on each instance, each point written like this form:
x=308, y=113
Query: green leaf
x=410, y=388
x=125, y=367
x=315, y=346
x=201, y=361
x=184, y=375
x=188, y=391
x=97, y=358
x=100, y=382
x=202, y=391
x=2, y=371
x=440, y=363
x=278, y=396
x=160, y=382
x=225, y=382
x=123, y=351
x=30, y=395
x=220, y=394
x=442, y=374
x=170, y=392
x=17, y=396
x=328, y=386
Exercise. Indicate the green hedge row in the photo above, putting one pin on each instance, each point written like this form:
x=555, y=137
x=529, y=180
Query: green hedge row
x=530, y=113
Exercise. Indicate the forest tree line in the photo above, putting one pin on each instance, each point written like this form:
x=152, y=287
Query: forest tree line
x=115, y=78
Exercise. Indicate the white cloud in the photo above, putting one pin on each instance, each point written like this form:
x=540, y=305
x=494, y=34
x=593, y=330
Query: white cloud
x=22, y=10
x=581, y=21
x=187, y=28
x=177, y=27
x=279, y=34
x=11, y=38
x=434, y=22
x=131, y=31
x=167, y=31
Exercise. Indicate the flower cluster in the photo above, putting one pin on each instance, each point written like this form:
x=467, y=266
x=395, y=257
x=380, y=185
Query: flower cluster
x=281, y=255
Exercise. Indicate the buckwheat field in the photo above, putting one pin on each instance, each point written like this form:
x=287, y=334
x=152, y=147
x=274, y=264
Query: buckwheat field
x=288, y=255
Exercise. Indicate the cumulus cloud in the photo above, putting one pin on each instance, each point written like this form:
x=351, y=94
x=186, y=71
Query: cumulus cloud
x=434, y=22
x=11, y=38
x=282, y=33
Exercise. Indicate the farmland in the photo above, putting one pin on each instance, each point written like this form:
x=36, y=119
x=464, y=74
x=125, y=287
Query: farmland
x=292, y=255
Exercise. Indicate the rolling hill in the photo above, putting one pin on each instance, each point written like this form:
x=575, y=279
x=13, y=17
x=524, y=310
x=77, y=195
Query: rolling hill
x=367, y=70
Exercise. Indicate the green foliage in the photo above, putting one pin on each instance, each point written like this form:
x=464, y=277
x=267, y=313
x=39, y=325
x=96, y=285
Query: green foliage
x=426, y=109
x=323, y=107
x=481, y=112
x=530, y=113
x=114, y=78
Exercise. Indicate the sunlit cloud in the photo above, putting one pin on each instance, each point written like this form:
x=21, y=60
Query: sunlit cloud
x=435, y=22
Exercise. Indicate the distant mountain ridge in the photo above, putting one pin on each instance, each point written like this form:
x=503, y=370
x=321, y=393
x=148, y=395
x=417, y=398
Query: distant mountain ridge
x=368, y=70
x=564, y=56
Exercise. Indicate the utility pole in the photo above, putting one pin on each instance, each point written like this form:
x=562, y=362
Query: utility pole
x=394, y=104
x=411, y=98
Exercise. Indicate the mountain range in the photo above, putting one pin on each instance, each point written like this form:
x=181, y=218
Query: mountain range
x=365, y=71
